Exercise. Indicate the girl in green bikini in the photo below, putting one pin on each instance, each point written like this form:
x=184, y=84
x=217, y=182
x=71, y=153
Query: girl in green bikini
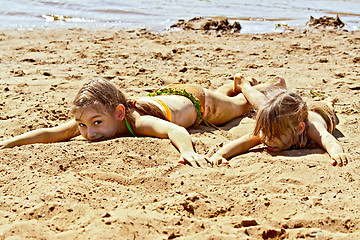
x=102, y=112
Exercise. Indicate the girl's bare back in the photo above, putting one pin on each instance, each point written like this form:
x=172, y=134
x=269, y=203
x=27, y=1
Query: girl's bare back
x=182, y=110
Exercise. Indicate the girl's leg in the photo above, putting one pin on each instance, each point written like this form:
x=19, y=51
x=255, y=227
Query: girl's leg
x=233, y=89
x=226, y=89
x=221, y=108
x=255, y=95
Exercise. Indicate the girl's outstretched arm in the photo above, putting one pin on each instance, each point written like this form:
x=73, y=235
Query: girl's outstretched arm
x=60, y=133
x=318, y=133
x=179, y=136
x=233, y=148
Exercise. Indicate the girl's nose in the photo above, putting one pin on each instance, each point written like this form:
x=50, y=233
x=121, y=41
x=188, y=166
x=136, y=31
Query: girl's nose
x=91, y=133
x=265, y=139
x=268, y=141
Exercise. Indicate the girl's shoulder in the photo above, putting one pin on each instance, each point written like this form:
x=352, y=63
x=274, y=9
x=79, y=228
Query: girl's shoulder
x=321, y=111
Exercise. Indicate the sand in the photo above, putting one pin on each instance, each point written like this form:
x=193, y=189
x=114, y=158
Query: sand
x=133, y=188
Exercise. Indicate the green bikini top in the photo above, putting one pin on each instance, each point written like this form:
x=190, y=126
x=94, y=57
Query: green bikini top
x=181, y=92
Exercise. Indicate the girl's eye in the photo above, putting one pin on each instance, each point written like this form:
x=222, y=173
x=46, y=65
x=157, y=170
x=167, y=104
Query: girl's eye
x=97, y=122
x=81, y=125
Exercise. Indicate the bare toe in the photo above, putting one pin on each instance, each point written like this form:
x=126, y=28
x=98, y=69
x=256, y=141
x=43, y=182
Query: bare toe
x=252, y=81
x=330, y=101
x=238, y=80
x=280, y=82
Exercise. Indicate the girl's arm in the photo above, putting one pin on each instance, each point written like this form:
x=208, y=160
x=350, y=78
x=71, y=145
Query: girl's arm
x=235, y=147
x=179, y=136
x=318, y=133
x=60, y=133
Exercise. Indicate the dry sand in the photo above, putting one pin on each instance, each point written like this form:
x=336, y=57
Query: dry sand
x=133, y=188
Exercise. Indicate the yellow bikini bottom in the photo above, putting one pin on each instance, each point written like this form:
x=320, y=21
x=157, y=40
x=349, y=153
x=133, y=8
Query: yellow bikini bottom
x=166, y=108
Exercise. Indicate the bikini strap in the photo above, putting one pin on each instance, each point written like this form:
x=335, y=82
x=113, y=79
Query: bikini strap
x=128, y=126
x=166, y=108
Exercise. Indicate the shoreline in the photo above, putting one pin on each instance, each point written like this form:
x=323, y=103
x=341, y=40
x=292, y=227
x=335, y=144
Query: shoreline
x=133, y=187
x=250, y=25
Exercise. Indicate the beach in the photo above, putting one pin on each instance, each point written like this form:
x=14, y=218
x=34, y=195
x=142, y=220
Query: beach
x=133, y=188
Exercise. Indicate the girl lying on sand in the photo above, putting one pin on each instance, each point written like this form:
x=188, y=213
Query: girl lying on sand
x=102, y=112
x=284, y=120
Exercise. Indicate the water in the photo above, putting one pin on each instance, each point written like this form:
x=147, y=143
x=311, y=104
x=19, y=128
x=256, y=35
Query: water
x=255, y=16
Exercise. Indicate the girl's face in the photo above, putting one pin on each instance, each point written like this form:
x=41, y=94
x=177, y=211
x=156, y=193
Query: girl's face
x=95, y=125
x=276, y=144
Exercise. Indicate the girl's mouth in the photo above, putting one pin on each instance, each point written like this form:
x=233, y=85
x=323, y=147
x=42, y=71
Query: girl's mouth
x=270, y=148
x=98, y=139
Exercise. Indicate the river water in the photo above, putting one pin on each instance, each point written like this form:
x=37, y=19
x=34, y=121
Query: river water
x=255, y=16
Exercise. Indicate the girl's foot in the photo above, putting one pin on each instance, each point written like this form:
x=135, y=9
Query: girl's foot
x=330, y=101
x=240, y=81
x=279, y=82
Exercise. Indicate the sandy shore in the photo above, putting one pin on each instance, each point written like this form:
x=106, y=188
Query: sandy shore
x=133, y=188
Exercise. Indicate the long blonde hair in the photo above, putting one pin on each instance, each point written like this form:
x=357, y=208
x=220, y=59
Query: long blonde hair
x=281, y=115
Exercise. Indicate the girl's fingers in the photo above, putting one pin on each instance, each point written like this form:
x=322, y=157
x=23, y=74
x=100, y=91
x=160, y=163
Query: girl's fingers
x=333, y=162
x=341, y=160
x=225, y=162
x=219, y=161
x=345, y=159
x=181, y=161
x=191, y=161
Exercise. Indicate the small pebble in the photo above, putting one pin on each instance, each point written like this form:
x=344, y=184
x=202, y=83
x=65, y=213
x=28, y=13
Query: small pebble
x=106, y=215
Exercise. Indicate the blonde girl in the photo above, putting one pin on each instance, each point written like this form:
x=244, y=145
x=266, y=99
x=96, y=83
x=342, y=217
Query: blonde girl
x=284, y=120
x=101, y=112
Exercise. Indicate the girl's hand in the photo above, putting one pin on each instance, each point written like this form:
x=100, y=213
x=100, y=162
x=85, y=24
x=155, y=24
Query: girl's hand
x=195, y=160
x=341, y=159
x=217, y=160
